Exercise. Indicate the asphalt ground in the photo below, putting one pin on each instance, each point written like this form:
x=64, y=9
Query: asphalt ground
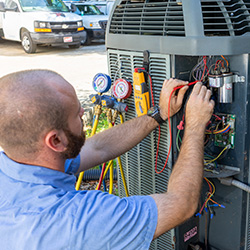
x=77, y=66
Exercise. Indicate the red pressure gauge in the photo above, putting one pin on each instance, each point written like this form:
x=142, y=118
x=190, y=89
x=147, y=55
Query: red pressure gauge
x=121, y=89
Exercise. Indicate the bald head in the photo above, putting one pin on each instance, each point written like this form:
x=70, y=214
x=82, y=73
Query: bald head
x=31, y=104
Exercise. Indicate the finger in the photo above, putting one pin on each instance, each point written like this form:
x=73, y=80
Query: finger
x=174, y=82
x=197, y=88
x=212, y=103
x=181, y=94
x=208, y=95
x=203, y=91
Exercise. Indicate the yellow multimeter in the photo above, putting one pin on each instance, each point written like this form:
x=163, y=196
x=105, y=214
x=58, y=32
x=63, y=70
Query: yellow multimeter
x=141, y=93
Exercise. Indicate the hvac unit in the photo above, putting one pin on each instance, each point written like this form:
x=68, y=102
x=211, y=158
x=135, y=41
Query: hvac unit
x=191, y=39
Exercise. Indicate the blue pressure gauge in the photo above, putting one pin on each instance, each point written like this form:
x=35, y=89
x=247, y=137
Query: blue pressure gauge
x=101, y=83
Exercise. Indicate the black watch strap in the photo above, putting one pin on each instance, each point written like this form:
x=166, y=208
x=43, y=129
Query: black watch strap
x=154, y=112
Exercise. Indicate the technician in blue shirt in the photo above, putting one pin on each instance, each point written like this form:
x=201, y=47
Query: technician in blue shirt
x=41, y=129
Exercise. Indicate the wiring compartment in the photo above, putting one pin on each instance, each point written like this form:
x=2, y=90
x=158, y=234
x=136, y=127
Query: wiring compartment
x=227, y=137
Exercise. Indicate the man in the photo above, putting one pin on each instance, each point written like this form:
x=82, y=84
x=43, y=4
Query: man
x=41, y=129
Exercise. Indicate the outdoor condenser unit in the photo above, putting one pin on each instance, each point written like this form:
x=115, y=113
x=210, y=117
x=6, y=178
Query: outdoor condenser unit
x=180, y=36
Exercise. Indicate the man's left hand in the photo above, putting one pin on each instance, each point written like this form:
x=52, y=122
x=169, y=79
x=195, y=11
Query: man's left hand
x=176, y=100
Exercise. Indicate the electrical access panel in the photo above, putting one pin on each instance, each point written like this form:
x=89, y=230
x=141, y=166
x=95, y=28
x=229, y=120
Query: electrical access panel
x=223, y=212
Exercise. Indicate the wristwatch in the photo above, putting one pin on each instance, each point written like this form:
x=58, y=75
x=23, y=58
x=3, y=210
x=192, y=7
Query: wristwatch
x=154, y=112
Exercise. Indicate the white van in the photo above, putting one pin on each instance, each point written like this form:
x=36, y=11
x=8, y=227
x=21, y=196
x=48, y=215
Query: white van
x=91, y=17
x=36, y=22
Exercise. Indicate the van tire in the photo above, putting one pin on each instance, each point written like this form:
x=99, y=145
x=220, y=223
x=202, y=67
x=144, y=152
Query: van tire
x=28, y=45
x=87, y=41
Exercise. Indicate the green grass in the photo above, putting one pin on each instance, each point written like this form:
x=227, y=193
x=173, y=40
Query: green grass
x=102, y=125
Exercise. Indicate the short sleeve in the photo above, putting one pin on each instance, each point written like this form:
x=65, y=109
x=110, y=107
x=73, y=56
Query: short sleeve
x=71, y=165
x=105, y=221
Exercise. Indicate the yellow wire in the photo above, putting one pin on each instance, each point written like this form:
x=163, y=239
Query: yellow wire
x=207, y=162
x=222, y=130
x=213, y=191
x=225, y=60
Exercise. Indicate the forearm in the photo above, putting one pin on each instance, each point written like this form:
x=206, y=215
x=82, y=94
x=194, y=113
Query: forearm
x=115, y=141
x=186, y=177
x=180, y=201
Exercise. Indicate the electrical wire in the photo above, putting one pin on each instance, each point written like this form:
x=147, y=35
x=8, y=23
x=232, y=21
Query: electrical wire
x=217, y=117
x=217, y=157
x=169, y=127
x=177, y=140
x=225, y=60
x=224, y=130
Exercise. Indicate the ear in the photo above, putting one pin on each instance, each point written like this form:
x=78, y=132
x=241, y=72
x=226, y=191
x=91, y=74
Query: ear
x=56, y=140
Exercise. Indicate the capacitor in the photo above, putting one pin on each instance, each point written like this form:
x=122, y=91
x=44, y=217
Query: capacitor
x=226, y=91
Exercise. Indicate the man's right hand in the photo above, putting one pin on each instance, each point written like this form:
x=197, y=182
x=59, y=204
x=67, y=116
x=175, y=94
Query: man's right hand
x=199, y=107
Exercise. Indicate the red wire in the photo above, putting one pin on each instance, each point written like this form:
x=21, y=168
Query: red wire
x=159, y=128
x=210, y=187
x=205, y=65
x=217, y=117
x=169, y=125
x=101, y=177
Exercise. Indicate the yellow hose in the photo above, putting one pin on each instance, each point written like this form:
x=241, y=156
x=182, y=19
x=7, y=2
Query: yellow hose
x=121, y=118
x=123, y=177
x=78, y=183
x=120, y=166
x=107, y=168
x=95, y=125
x=79, y=180
x=105, y=172
x=111, y=177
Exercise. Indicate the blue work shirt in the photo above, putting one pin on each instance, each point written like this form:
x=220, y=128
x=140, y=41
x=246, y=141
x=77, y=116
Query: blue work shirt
x=41, y=210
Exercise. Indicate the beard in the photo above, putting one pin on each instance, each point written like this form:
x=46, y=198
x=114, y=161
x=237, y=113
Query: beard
x=75, y=143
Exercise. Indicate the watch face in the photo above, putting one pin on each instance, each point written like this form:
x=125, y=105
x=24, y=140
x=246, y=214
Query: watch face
x=152, y=110
x=155, y=113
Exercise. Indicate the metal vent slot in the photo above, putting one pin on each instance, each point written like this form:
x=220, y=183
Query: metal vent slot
x=139, y=162
x=148, y=18
x=226, y=18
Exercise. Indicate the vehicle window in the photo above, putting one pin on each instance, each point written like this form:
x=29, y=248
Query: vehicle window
x=10, y=4
x=88, y=10
x=44, y=5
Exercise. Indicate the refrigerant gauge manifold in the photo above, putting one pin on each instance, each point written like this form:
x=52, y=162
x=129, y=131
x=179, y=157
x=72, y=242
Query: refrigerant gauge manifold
x=101, y=83
x=122, y=89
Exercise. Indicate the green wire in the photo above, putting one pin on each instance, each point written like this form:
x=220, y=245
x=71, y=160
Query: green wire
x=177, y=140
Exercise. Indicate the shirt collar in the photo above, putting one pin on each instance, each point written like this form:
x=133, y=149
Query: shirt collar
x=36, y=174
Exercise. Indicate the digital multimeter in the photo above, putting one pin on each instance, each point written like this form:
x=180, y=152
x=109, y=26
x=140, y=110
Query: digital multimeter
x=141, y=93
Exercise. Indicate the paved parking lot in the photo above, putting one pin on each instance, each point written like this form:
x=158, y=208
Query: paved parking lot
x=78, y=66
